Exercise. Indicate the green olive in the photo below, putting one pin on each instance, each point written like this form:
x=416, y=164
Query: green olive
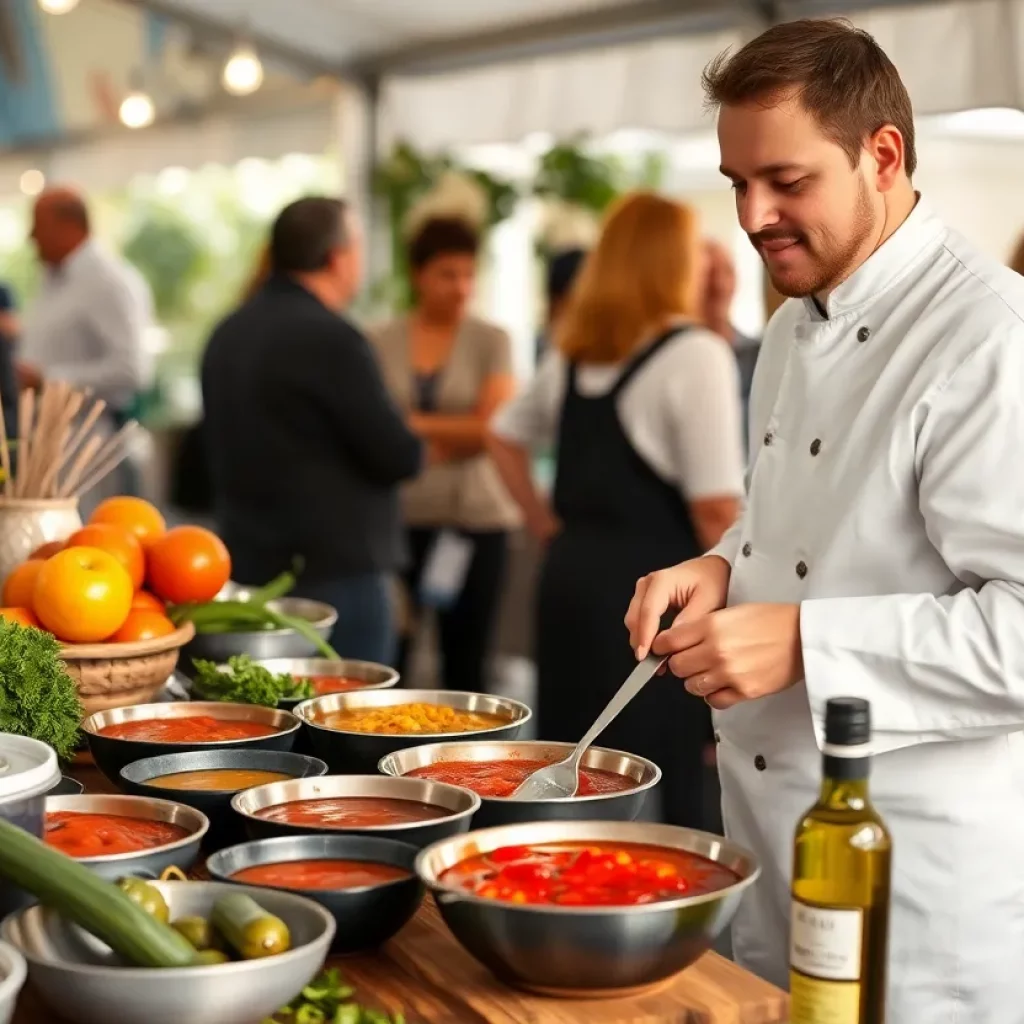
x=210, y=957
x=146, y=896
x=197, y=930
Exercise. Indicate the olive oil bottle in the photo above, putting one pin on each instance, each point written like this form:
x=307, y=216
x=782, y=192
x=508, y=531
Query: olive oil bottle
x=841, y=882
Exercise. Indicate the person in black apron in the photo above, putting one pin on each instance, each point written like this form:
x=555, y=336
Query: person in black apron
x=620, y=521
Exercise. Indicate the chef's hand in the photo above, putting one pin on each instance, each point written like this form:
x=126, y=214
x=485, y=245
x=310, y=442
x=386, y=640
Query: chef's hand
x=698, y=586
x=736, y=654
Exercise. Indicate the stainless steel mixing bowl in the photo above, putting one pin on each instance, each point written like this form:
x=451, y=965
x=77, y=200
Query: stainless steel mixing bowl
x=83, y=981
x=12, y=977
x=111, y=753
x=592, y=952
x=261, y=643
x=619, y=806
x=182, y=853
x=460, y=804
x=347, y=751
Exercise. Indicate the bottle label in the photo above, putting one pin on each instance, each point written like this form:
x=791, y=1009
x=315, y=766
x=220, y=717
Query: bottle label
x=825, y=961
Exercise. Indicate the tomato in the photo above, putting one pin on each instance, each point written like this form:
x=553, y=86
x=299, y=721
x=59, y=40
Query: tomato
x=51, y=547
x=142, y=518
x=119, y=541
x=22, y=616
x=188, y=564
x=143, y=624
x=82, y=595
x=20, y=585
x=145, y=600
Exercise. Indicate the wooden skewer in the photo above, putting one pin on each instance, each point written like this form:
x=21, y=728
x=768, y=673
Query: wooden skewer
x=69, y=411
x=5, y=453
x=110, y=459
x=26, y=409
x=79, y=436
x=85, y=456
x=48, y=398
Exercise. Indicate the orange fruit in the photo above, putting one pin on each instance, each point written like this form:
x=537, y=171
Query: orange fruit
x=20, y=585
x=146, y=601
x=83, y=595
x=22, y=616
x=51, y=547
x=118, y=541
x=143, y=624
x=187, y=563
x=137, y=515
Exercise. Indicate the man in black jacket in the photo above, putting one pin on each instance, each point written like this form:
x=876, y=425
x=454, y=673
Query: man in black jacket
x=306, y=449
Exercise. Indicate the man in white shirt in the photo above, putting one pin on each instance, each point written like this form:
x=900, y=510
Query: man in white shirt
x=881, y=550
x=86, y=327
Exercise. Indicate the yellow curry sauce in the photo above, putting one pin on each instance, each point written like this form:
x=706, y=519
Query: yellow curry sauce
x=400, y=719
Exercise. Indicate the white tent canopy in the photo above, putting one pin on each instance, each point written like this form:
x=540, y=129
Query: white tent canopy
x=459, y=71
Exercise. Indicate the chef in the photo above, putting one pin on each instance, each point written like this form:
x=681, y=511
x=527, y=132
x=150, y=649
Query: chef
x=881, y=550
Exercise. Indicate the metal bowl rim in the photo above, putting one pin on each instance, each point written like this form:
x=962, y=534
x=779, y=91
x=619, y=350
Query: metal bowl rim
x=396, y=827
x=327, y=621
x=192, y=709
x=309, y=758
x=355, y=889
x=118, y=858
x=451, y=893
x=147, y=973
x=640, y=787
x=12, y=960
x=301, y=713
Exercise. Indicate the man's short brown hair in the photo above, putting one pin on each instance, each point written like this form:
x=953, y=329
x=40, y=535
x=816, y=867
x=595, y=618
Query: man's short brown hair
x=843, y=78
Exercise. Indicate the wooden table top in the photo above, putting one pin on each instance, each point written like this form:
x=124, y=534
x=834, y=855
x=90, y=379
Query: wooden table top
x=424, y=973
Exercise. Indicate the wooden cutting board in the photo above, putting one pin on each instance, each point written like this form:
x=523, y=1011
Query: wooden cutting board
x=713, y=991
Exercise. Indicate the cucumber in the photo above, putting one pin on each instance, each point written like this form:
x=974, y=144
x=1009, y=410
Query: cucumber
x=97, y=906
x=248, y=928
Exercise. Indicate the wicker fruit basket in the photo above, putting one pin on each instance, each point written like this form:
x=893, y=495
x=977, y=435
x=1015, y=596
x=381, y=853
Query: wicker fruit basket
x=118, y=675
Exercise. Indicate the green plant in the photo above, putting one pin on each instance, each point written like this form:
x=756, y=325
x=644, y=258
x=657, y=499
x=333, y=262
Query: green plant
x=568, y=172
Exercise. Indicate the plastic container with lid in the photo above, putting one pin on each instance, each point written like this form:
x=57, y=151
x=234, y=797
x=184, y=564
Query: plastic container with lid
x=28, y=771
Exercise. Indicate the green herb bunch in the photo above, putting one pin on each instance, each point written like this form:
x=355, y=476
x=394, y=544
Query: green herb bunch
x=245, y=682
x=37, y=696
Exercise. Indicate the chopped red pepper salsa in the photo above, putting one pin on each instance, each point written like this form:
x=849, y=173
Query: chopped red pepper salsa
x=589, y=874
x=502, y=778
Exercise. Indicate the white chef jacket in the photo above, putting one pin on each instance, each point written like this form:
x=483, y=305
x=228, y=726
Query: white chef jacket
x=886, y=496
x=87, y=325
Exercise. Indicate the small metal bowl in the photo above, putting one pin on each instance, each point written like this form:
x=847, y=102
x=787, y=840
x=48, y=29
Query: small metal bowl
x=461, y=803
x=12, y=977
x=347, y=751
x=587, y=952
x=182, y=853
x=225, y=827
x=366, y=916
x=261, y=643
x=85, y=983
x=621, y=806
x=112, y=754
x=370, y=674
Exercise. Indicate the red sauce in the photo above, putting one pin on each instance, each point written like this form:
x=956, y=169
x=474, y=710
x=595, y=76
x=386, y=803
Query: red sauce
x=187, y=729
x=321, y=874
x=334, y=684
x=352, y=812
x=97, y=835
x=589, y=874
x=502, y=778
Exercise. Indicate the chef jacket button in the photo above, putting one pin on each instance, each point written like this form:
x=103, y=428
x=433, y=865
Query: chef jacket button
x=769, y=437
x=718, y=738
x=747, y=548
x=816, y=446
x=863, y=333
x=801, y=569
x=760, y=763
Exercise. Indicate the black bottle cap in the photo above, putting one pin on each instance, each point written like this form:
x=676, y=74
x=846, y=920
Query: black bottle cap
x=847, y=721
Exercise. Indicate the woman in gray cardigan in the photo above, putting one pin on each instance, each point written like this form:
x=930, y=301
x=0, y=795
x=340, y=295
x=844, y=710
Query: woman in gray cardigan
x=450, y=371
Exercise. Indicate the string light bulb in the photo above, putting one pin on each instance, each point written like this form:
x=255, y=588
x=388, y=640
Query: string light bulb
x=32, y=182
x=57, y=6
x=243, y=71
x=137, y=110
